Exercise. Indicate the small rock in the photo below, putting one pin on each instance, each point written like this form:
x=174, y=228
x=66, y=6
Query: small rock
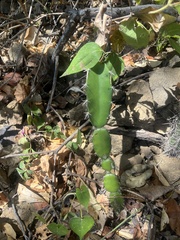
x=140, y=104
x=120, y=144
x=162, y=84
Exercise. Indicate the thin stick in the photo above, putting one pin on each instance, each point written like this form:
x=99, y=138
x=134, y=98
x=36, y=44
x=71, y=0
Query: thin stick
x=50, y=151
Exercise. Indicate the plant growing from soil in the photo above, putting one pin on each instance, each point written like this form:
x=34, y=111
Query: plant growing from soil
x=102, y=69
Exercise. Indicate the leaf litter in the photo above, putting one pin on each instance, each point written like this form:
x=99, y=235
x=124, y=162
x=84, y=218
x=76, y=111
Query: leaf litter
x=46, y=195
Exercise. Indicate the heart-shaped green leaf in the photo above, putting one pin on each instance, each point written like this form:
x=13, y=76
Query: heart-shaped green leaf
x=133, y=32
x=58, y=229
x=83, y=196
x=86, y=58
x=81, y=225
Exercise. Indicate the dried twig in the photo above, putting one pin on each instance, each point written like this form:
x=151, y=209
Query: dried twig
x=50, y=151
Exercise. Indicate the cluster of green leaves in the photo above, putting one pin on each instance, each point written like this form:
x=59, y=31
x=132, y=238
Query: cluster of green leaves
x=169, y=34
x=23, y=167
x=77, y=222
x=137, y=31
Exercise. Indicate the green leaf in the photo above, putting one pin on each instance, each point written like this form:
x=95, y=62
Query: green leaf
x=175, y=44
x=22, y=165
x=20, y=171
x=56, y=133
x=101, y=142
x=115, y=65
x=57, y=229
x=177, y=7
x=26, y=176
x=134, y=33
x=48, y=128
x=81, y=225
x=170, y=30
x=99, y=94
x=86, y=58
x=36, y=111
x=26, y=109
x=38, y=122
x=79, y=139
x=83, y=195
x=40, y=218
x=24, y=141
x=73, y=146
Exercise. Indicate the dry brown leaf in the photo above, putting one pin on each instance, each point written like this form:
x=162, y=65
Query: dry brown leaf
x=164, y=220
x=31, y=35
x=155, y=20
x=42, y=231
x=21, y=92
x=173, y=211
x=27, y=195
x=101, y=22
x=117, y=41
x=103, y=200
x=154, y=192
x=8, y=90
x=80, y=168
x=2, y=96
x=3, y=200
x=12, y=78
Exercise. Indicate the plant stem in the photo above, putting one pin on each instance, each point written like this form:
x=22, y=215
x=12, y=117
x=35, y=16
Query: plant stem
x=119, y=225
x=169, y=4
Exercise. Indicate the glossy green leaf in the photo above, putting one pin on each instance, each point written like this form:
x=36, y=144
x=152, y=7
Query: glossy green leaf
x=99, y=94
x=81, y=225
x=83, y=195
x=101, y=142
x=111, y=183
x=115, y=65
x=86, y=58
x=134, y=33
x=57, y=229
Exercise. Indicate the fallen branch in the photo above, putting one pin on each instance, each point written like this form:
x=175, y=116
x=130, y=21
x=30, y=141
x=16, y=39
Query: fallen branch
x=90, y=13
x=140, y=134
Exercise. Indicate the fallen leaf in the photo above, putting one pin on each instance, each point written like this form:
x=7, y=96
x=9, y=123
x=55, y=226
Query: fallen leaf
x=26, y=195
x=9, y=231
x=21, y=92
x=164, y=220
x=156, y=21
x=12, y=78
x=173, y=212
